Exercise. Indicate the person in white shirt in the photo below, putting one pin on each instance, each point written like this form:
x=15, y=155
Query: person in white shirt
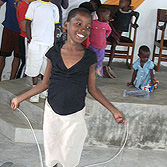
x=41, y=16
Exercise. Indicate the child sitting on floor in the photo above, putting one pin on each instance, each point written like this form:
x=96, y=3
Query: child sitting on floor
x=120, y=24
x=100, y=29
x=144, y=73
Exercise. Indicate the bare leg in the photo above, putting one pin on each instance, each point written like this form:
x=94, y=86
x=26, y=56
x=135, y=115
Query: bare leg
x=15, y=66
x=2, y=65
x=112, y=52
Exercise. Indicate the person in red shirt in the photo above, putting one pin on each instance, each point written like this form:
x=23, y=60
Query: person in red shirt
x=100, y=30
x=21, y=11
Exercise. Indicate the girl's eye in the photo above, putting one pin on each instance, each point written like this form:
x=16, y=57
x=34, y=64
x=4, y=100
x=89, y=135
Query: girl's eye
x=88, y=27
x=78, y=24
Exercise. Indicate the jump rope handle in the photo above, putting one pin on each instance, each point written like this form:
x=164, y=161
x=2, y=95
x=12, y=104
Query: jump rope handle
x=124, y=122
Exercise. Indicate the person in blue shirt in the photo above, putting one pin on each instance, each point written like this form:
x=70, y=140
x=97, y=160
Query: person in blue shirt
x=10, y=36
x=144, y=73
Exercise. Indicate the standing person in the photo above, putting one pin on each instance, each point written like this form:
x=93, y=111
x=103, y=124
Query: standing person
x=41, y=16
x=144, y=73
x=70, y=70
x=99, y=32
x=120, y=24
x=10, y=37
x=22, y=40
x=92, y=6
x=64, y=4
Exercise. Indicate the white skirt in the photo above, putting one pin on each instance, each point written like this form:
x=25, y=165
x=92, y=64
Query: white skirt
x=64, y=137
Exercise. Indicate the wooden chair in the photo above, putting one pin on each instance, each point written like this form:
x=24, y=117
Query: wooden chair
x=127, y=41
x=161, y=43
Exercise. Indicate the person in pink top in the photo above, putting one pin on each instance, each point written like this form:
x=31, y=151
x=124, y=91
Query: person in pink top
x=21, y=11
x=100, y=30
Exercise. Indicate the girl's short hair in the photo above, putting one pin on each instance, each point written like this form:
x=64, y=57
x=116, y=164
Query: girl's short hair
x=144, y=49
x=129, y=2
x=101, y=10
x=75, y=11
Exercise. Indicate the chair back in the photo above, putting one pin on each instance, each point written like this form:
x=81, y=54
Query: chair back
x=162, y=15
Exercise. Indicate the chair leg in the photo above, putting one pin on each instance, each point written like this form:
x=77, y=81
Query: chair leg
x=153, y=53
x=127, y=56
x=131, y=60
x=159, y=59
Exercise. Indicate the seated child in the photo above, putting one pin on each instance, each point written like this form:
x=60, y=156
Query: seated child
x=144, y=73
x=100, y=29
x=120, y=24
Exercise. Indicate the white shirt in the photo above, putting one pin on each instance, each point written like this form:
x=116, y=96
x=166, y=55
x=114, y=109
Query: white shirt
x=44, y=16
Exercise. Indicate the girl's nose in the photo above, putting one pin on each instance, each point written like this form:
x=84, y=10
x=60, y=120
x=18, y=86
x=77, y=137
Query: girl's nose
x=83, y=29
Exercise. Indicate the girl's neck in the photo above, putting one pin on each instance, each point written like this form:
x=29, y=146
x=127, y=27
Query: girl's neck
x=142, y=63
x=126, y=9
x=72, y=46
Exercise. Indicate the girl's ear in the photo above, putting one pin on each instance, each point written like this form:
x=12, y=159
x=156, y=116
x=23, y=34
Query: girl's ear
x=65, y=24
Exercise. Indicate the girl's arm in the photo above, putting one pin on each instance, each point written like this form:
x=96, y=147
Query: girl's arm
x=65, y=4
x=133, y=78
x=152, y=77
x=136, y=14
x=23, y=25
x=97, y=94
x=55, y=34
x=43, y=85
x=28, y=30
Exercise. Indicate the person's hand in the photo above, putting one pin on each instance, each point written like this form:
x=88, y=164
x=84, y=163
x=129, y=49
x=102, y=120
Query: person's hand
x=29, y=40
x=135, y=25
x=14, y=103
x=118, y=116
x=130, y=84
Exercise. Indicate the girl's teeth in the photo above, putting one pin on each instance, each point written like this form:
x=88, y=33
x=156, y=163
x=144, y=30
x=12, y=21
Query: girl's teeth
x=80, y=35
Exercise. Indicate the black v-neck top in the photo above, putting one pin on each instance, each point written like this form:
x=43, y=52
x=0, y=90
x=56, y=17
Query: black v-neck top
x=67, y=88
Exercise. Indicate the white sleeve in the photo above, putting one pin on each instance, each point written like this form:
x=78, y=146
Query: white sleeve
x=56, y=14
x=30, y=12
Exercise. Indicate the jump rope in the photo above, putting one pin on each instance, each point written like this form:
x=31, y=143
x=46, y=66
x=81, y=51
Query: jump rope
x=123, y=142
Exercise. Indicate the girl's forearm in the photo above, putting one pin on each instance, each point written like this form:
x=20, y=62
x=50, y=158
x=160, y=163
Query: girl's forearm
x=134, y=76
x=28, y=29
x=36, y=90
x=97, y=94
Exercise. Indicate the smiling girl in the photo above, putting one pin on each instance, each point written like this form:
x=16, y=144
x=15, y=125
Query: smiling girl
x=70, y=70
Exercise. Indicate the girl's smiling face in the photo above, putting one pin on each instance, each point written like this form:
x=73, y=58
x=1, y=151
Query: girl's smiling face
x=79, y=27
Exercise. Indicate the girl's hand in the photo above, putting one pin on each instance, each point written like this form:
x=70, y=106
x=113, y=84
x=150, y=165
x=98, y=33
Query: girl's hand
x=14, y=103
x=130, y=84
x=118, y=116
x=29, y=39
